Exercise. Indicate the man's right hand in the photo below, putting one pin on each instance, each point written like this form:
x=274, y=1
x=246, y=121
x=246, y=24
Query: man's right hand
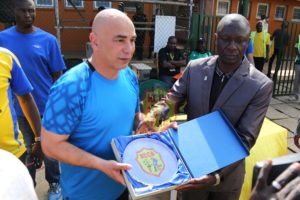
x=296, y=140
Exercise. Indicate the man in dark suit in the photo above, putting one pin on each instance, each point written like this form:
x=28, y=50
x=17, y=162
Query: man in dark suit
x=228, y=82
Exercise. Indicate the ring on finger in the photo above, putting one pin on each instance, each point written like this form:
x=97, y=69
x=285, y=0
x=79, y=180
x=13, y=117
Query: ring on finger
x=276, y=185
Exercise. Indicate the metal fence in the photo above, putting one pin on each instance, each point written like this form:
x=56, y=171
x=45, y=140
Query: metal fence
x=74, y=24
x=283, y=68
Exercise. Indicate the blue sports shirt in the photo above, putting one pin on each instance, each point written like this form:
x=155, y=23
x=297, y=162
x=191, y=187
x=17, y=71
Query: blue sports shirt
x=39, y=56
x=91, y=110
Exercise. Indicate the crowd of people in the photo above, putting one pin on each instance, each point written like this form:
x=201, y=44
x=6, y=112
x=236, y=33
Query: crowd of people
x=67, y=121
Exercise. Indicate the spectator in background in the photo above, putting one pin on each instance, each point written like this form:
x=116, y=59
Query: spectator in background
x=265, y=23
x=139, y=21
x=201, y=51
x=13, y=80
x=296, y=83
x=281, y=38
x=42, y=63
x=261, y=41
x=170, y=60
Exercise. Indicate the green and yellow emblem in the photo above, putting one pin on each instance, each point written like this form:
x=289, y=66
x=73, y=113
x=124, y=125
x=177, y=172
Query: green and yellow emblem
x=150, y=161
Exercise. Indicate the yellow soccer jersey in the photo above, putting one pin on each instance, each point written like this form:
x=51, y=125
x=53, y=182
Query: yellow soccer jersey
x=258, y=44
x=12, y=80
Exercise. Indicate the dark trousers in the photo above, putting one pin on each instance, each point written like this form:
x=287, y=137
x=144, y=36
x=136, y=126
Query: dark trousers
x=275, y=54
x=52, y=172
x=259, y=63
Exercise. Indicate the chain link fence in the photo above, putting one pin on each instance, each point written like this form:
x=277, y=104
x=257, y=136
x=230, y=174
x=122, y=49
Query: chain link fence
x=6, y=12
x=73, y=19
x=75, y=24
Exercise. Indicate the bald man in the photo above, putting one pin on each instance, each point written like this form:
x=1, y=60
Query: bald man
x=89, y=105
x=227, y=81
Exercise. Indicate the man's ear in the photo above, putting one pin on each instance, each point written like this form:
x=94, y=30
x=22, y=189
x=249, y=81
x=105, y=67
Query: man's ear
x=93, y=40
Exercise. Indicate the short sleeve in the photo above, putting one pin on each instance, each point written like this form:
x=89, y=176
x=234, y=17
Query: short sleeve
x=19, y=82
x=64, y=106
x=56, y=62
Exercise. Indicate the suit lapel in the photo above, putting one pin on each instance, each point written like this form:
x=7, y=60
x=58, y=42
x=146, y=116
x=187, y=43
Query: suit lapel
x=233, y=84
x=206, y=82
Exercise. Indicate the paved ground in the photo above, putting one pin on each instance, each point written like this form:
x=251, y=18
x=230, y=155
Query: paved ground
x=280, y=111
x=286, y=114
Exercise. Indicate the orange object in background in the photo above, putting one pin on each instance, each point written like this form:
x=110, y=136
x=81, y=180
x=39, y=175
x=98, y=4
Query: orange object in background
x=177, y=76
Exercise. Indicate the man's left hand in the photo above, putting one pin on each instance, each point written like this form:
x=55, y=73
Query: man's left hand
x=37, y=154
x=198, y=183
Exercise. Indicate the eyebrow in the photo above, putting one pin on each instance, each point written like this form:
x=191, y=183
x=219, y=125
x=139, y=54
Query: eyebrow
x=123, y=36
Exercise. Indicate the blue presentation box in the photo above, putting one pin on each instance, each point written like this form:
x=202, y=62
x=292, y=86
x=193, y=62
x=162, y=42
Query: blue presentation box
x=163, y=161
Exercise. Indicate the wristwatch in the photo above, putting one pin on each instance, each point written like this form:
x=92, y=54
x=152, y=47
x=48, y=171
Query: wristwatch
x=37, y=139
x=218, y=178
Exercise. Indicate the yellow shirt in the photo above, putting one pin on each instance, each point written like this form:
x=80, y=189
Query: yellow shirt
x=258, y=44
x=12, y=78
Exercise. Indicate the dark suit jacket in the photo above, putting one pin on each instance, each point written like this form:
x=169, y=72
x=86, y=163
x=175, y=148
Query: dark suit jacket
x=244, y=100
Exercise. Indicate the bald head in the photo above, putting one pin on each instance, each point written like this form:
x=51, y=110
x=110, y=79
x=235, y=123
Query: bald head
x=236, y=20
x=113, y=42
x=109, y=17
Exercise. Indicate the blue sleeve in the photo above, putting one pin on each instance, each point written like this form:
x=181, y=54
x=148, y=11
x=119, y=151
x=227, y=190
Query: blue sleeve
x=19, y=82
x=56, y=61
x=249, y=48
x=64, y=106
x=135, y=84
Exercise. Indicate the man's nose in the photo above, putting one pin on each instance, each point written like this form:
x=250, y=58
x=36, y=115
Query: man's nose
x=27, y=13
x=129, y=47
x=232, y=44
